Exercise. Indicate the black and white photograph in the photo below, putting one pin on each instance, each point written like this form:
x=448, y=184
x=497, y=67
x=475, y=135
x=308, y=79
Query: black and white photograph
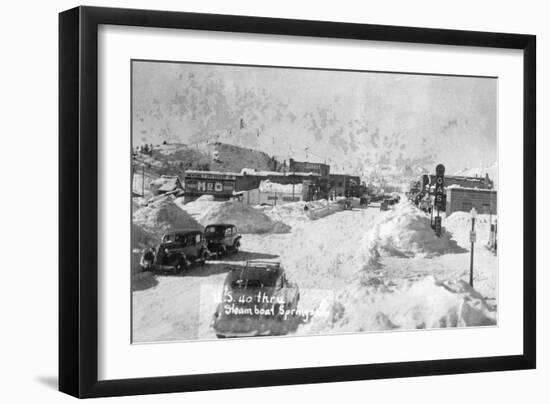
x=291, y=201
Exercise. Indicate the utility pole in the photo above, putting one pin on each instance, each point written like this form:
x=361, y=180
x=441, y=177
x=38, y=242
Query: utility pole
x=473, y=212
x=143, y=180
x=439, y=195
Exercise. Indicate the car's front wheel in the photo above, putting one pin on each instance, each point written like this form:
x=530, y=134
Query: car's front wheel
x=180, y=265
x=202, y=259
x=222, y=251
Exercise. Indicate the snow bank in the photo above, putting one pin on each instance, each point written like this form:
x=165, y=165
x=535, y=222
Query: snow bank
x=204, y=198
x=198, y=208
x=460, y=224
x=373, y=305
x=405, y=231
x=152, y=221
x=246, y=218
x=293, y=213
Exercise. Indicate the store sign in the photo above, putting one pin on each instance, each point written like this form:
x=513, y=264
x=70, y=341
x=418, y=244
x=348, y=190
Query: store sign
x=440, y=187
x=209, y=186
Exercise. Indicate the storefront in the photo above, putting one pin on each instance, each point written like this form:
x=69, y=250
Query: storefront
x=218, y=184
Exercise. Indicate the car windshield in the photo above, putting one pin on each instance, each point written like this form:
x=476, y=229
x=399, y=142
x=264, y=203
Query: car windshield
x=215, y=230
x=177, y=238
x=169, y=238
x=247, y=283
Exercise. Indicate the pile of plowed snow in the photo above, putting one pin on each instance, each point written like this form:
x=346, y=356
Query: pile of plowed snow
x=199, y=207
x=460, y=224
x=405, y=231
x=293, y=213
x=373, y=305
x=152, y=221
x=247, y=219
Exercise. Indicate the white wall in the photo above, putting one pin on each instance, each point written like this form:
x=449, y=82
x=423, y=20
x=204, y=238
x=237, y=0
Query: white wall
x=28, y=295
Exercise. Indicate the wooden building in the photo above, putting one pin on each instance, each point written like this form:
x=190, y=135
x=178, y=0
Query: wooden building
x=305, y=166
x=221, y=185
x=345, y=185
x=460, y=199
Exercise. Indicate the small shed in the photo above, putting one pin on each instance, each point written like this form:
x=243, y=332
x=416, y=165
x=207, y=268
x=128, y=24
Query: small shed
x=166, y=184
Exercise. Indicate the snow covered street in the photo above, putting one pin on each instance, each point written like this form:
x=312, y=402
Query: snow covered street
x=364, y=269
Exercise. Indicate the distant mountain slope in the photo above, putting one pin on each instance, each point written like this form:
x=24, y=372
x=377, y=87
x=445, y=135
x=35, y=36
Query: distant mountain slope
x=175, y=158
x=352, y=121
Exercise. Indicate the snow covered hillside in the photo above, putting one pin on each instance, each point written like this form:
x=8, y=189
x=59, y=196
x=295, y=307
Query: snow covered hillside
x=175, y=158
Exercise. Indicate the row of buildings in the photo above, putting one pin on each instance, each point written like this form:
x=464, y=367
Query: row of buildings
x=462, y=193
x=302, y=181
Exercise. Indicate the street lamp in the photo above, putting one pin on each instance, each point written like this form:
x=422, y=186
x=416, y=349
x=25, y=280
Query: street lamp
x=473, y=213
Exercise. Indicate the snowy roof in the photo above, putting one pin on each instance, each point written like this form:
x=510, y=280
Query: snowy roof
x=167, y=183
x=210, y=172
x=458, y=187
x=253, y=171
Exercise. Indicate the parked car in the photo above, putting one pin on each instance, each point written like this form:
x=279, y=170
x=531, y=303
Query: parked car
x=345, y=203
x=178, y=250
x=222, y=238
x=257, y=299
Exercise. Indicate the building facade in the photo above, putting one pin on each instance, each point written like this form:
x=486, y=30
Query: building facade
x=225, y=185
x=345, y=185
x=218, y=184
x=270, y=193
x=460, y=199
x=306, y=167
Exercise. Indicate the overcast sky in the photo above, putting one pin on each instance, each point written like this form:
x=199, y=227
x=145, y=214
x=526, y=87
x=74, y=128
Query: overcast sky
x=345, y=115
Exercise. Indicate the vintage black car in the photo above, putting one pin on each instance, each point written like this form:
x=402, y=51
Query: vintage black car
x=177, y=251
x=257, y=299
x=222, y=238
x=345, y=203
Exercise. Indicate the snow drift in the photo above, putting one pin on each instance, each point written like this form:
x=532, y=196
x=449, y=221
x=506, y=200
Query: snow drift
x=152, y=221
x=293, y=213
x=405, y=231
x=247, y=219
x=374, y=305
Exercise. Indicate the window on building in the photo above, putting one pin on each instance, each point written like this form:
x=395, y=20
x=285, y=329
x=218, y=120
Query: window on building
x=466, y=206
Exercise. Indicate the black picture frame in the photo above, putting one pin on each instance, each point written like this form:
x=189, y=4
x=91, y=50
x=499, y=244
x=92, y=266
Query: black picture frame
x=78, y=206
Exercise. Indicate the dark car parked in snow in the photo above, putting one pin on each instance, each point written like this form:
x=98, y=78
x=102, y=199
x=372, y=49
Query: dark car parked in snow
x=177, y=251
x=222, y=238
x=257, y=299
